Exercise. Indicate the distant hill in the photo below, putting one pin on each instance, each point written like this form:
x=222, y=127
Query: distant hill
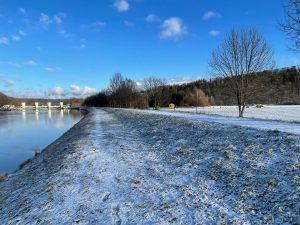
x=6, y=100
x=278, y=87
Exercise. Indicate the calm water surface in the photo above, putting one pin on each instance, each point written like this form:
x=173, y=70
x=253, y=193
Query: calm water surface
x=23, y=132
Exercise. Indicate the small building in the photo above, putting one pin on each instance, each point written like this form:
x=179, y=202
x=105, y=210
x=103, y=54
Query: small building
x=172, y=106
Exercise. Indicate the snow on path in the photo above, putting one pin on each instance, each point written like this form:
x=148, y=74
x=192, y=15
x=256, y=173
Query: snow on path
x=126, y=167
x=282, y=126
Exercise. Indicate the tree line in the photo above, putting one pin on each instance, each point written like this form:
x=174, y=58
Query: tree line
x=276, y=86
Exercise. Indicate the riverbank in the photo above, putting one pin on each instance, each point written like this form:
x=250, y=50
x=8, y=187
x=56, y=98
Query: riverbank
x=129, y=167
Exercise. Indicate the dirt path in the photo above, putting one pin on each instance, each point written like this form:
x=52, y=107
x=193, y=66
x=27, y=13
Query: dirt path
x=128, y=167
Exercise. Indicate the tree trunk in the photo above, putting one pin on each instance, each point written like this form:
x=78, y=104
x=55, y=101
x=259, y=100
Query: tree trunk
x=241, y=110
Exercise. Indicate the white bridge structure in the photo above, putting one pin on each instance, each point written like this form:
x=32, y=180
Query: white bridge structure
x=49, y=106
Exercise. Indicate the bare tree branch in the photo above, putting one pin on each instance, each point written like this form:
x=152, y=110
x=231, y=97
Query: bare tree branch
x=242, y=54
x=291, y=23
x=153, y=87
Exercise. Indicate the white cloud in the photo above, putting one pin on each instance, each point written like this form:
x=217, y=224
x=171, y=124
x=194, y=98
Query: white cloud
x=56, y=92
x=211, y=15
x=4, y=41
x=22, y=33
x=78, y=91
x=15, y=38
x=9, y=83
x=30, y=63
x=128, y=23
x=22, y=11
x=10, y=63
x=52, y=69
x=152, y=18
x=82, y=45
x=97, y=26
x=173, y=28
x=73, y=91
x=58, y=18
x=45, y=20
x=121, y=5
x=180, y=80
x=214, y=33
x=64, y=33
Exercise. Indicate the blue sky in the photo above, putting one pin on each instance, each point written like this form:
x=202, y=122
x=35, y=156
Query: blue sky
x=63, y=48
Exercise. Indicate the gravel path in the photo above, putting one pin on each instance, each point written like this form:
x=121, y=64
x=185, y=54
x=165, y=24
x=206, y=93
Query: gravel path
x=128, y=167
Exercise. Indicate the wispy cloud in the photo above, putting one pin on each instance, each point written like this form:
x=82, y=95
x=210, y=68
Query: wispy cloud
x=128, y=23
x=63, y=33
x=22, y=33
x=58, y=18
x=214, y=33
x=52, y=69
x=82, y=46
x=173, y=28
x=9, y=63
x=96, y=26
x=4, y=41
x=22, y=11
x=15, y=38
x=152, y=18
x=9, y=83
x=46, y=20
x=121, y=5
x=78, y=91
x=211, y=15
x=30, y=63
x=180, y=80
x=72, y=91
x=56, y=92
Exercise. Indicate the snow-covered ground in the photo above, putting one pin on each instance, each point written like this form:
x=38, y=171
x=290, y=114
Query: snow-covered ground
x=262, y=124
x=133, y=167
x=268, y=112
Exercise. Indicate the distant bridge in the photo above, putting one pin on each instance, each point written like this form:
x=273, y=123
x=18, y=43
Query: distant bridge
x=49, y=106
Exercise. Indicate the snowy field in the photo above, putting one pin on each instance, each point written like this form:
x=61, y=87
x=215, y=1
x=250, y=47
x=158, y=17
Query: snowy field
x=268, y=112
x=131, y=167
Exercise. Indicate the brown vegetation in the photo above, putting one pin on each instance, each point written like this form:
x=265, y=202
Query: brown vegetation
x=279, y=87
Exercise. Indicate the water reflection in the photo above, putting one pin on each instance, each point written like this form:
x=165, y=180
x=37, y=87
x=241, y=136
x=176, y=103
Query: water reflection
x=21, y=132
x=37, y=114
x=49, y=114
x=24, y=115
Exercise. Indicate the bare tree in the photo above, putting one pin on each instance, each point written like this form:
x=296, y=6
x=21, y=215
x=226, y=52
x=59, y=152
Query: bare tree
x=291, y=24
x=242, y=53
x=153, y=87
x=121, y=91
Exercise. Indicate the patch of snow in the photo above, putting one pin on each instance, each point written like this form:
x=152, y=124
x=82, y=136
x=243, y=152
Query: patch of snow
x=263, y=124
x=133, y=167
x=289, y=113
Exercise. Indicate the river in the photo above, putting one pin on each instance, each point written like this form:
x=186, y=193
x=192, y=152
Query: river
x=22, y=133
